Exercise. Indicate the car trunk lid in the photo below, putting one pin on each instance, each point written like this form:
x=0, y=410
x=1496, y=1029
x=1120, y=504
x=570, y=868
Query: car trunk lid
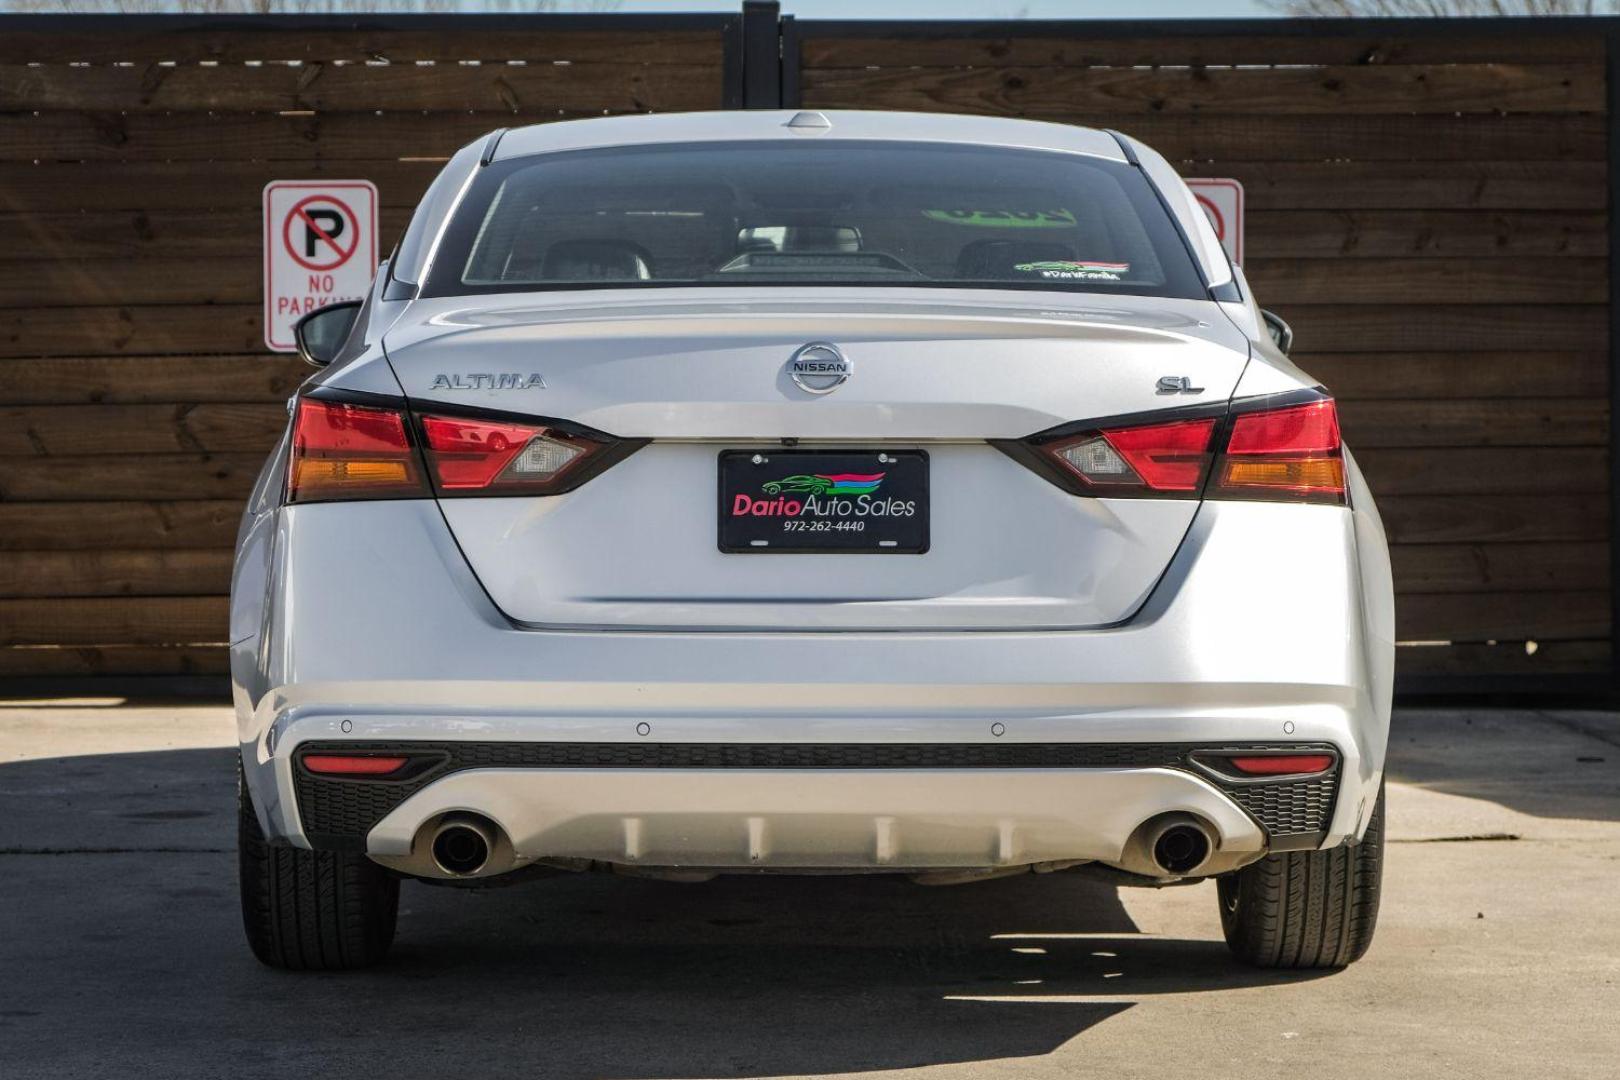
x=639, y=546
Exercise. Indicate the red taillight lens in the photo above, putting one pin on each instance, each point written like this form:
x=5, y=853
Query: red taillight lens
x=1282, y=764
x=1301, y=429
x=1288, y=453
x=470, y=456
x=352, y=764
x=342, y=451
x=1155, y=458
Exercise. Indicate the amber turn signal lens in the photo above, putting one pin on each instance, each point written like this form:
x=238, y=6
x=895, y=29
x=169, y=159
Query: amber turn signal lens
x=337, y=473
x=1282, y=474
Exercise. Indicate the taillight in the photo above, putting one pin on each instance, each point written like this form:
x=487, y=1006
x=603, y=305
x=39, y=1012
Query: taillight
x=1260, y=449
x=343, y=451
x=469, y=456
x=1287, y=453
x=1165, y=458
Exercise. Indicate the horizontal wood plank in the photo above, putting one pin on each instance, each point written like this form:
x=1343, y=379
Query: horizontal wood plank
x=204, y=235
x=1490, y=471
x=140, y=477
x=125, y=380
x=1422, y=375
x=60, y=283
x=139, y=620
x=73, y=661
x=198, y=525
x=306, y=139
x=591, y=86
x=1457, y=422
x=1506, y=658
x=475, y=38
x=1325, y=327
x=131, y=331
x=66, y=430
x=1213, y=139
x=1060, y=91
x=116, y=573
x=1183, y=49
x=1415, y=185
x=151, y=187
x=1496, y=616
x=1406, y=281
x=1452, y=519
x=1378, y=234
x=1434, y=568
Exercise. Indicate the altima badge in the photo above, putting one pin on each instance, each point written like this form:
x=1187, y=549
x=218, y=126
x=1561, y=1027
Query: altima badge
x=489, y=380
x=819, y=368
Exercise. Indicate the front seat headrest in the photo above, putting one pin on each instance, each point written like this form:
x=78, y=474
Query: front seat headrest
x=594, y=260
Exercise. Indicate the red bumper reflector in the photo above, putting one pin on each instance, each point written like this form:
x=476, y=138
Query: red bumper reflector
x=352, y=764
x=1282, y=764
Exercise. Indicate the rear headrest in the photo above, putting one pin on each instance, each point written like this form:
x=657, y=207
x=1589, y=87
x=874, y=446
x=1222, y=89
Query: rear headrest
x=594, y=260
x=997, y=258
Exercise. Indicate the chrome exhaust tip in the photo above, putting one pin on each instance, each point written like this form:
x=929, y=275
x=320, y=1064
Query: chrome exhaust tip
x=461, y=845
x=1174, y=845
x=1181, y=849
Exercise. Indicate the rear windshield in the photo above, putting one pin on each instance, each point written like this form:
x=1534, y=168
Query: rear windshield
x=821, y=213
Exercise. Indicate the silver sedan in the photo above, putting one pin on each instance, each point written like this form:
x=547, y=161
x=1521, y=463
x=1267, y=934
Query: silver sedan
x=845, y=492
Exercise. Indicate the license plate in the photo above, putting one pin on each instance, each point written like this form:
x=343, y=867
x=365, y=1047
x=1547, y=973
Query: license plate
x=862, y=501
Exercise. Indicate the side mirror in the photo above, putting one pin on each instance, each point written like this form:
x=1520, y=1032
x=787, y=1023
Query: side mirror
x=320, y=334
x=1282, y=335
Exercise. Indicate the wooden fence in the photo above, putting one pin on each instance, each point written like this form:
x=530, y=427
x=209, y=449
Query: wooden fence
x=1427, y=204
x=138, y=401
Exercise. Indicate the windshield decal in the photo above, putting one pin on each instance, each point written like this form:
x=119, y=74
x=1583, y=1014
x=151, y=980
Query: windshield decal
x=1006, y=219
x=1064, y=269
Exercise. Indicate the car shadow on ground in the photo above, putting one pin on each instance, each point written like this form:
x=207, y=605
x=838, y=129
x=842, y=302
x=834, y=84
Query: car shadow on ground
x=121, y=869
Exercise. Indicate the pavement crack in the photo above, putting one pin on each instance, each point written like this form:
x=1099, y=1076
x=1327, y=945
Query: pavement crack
x=1578, y=728
x=1471, y=838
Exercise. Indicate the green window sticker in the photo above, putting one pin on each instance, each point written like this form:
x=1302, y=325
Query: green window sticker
x=1082, y=270
x=1006, y=219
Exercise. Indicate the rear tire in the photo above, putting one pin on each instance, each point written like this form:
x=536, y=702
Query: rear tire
x=1307, y=909
x=311, y=910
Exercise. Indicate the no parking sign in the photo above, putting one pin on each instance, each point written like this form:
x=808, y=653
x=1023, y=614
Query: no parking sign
x=1222, y=202
x=320, y=247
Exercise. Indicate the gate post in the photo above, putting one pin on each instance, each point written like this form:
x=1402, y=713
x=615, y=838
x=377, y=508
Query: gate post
x=1611, y=72
x=761, y=54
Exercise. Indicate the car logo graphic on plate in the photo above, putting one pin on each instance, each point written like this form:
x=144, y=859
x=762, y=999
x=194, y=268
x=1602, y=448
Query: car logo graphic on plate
x=819, y=368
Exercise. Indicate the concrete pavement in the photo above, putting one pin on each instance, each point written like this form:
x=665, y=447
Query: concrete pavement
x=1498, y=953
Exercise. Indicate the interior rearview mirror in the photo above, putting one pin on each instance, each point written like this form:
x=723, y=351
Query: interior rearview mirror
x=320, y=334
x=769, y=238
x=1282, y=335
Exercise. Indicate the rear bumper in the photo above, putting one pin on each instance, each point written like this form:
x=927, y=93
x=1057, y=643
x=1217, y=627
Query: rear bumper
x=362, y=624
x=796, y=805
